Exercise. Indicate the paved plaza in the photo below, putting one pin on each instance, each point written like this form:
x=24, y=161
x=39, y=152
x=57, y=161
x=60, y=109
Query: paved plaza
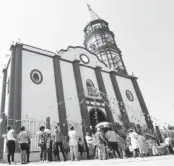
x=150, y=161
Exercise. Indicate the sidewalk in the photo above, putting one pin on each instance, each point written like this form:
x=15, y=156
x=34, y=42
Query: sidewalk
x=149, y=161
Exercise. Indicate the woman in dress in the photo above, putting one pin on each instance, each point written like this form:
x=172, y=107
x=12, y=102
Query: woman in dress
x=142, y=146
x=134, y=142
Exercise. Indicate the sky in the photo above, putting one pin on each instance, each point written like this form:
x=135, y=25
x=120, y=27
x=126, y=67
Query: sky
x=144, y=31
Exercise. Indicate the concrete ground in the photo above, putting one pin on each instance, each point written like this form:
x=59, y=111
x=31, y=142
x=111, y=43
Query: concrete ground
x=150, y=161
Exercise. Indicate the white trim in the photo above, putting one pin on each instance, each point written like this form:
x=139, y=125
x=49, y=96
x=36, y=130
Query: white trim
x=30, y=48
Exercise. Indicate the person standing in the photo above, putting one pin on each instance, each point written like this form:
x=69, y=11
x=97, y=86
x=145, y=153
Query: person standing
x=66, y=146
x=80, y=147
x=11, y=138
x=153, y=144
x=142, y=146
x=89, y=142
x=95, y=146
x=134, y=142
x=121, y=146
x=112, y=138
x=73, y=143
x=23, y=142
x=170, y=134
x=167, y=141
x=42, y=144
x=128, y=150
x=58, y=139
x=28, y=149
x=101, y=141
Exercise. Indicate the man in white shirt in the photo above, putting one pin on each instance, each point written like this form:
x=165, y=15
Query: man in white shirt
x=73, y=143
x=134, y=142
x=11, y=138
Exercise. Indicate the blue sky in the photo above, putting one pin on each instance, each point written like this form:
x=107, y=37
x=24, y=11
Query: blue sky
x=144, y=31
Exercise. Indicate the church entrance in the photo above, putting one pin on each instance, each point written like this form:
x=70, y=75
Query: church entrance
x=96, y=116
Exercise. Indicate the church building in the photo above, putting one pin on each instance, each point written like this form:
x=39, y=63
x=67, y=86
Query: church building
x=80, y=86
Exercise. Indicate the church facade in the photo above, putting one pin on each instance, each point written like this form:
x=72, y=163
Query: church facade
x=79, y=86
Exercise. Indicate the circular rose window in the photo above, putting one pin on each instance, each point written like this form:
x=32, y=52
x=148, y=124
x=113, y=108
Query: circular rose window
x=84, y=58
x=36, y=76
x=129, y=95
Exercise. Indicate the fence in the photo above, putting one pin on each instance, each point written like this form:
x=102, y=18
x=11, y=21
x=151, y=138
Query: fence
x=32, y=126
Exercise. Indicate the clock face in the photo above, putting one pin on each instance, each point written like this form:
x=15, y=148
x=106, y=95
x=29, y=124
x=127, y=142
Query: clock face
x=84, y=58
x=117, y=60
x=109, y=38
x=129, y=95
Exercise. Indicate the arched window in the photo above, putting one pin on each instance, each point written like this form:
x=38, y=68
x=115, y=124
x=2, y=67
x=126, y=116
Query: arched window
x=91, y=89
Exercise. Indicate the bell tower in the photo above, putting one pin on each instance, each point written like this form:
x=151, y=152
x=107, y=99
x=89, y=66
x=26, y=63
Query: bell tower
x=100, y=41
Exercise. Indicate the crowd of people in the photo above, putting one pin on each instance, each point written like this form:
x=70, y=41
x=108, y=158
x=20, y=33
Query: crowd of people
x=104, y=144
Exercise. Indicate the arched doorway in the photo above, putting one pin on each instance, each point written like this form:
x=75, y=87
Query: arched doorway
x=96, y=116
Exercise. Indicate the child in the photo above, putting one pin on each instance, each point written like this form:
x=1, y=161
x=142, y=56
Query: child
x=153, y=144
x=110, y=153
x=80, y=147
x=55, y=152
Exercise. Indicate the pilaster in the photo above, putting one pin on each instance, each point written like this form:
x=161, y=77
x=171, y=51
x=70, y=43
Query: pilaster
x=17, y=88
x=103, y=89
x=3, y=130
x=60, y=95
x=142, y=103
x=10, y=119
x=119, y=98
x=3, y=92
x=2, y=114
x=80, y=90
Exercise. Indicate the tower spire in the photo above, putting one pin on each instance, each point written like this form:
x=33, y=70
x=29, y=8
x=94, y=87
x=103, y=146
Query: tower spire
x=93, y=15
x=100, y=41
